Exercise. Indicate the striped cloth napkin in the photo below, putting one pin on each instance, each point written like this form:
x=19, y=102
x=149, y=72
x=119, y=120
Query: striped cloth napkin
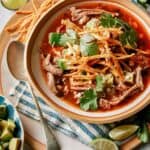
x=73, y=128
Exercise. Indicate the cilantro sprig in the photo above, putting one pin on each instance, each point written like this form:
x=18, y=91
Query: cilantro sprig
x=143, y=133
x=89, y=100
x=90, y=97
x=142, y=120
x=62, y=64
x=128, y=37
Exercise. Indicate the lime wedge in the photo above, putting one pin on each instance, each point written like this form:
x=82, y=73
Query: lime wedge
x=142, y=1
x=122, y=132
x=103, y=144
x=13, y=4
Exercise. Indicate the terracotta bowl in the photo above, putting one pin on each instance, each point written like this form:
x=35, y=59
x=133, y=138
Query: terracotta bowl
x=32, y=63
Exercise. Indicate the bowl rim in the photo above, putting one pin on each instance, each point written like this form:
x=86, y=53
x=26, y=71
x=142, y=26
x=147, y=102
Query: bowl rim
x=66, y=112
x=18, y=116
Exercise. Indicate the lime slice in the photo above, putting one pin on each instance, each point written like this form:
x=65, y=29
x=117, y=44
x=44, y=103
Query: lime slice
x=13, y=4
x=103, y=144
x=123, y=132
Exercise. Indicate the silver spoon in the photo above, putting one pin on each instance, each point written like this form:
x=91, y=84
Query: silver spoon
x=15, y=56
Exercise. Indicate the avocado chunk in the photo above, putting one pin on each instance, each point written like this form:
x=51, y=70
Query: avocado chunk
x=14, y=144
x=0, y=130
x=11, y=125
x=1, y=147
x=3, y=124
x=6, y=135
x=5, y=145
x=3, y=111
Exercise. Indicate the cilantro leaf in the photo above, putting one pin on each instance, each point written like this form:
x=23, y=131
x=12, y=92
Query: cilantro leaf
x=89, y=49
x=143, y=133
x=61, y=39
x=88, y=45
x=128, y=37
x=62, y=64
x=54, y=38
x=89, y=100
x=108, y=21
x=100, y=83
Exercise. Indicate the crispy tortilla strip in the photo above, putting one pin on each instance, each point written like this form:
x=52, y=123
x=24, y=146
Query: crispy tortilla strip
x=30, y=27
x=71, y=25
x=24, y=12
x=31, y=17
x=125, y=57
x=14, y=27
x=35, y=7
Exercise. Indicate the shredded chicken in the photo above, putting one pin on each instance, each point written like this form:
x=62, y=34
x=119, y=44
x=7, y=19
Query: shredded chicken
x=49, y=67
x=140, y=60
x=139, y=79
x=51, y=82
x=83, y=15
x=106, y=104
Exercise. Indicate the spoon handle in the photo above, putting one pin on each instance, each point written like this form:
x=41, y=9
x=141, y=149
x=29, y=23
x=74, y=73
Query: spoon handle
x=51, y=142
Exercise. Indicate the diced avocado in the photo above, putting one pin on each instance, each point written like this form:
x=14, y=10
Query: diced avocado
x=62, y=64
x=14, y=144
x=0, y=130
x=1, y=147
x=6, y=135
x=3, y=111
x=5, y=145
x=72, y=34
x=100, y=83
x=109, y=80
x=129, y=77
x=3, y=124
x=60, y=39
x=11, y=125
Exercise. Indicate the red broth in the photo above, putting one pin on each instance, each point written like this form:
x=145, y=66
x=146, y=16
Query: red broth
x=143, y=38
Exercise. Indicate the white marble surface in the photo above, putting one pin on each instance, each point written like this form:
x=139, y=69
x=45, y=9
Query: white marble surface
x=32, y=126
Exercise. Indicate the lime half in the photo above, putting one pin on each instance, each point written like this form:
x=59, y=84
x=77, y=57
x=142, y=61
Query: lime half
x=122, y=132
x=13, y=4
x=103, y=144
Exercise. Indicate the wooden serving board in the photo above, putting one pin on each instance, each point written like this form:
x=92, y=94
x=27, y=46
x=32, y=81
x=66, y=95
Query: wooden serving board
x=4, y=39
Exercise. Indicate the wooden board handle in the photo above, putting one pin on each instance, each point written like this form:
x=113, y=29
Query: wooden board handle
x=130, y=145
